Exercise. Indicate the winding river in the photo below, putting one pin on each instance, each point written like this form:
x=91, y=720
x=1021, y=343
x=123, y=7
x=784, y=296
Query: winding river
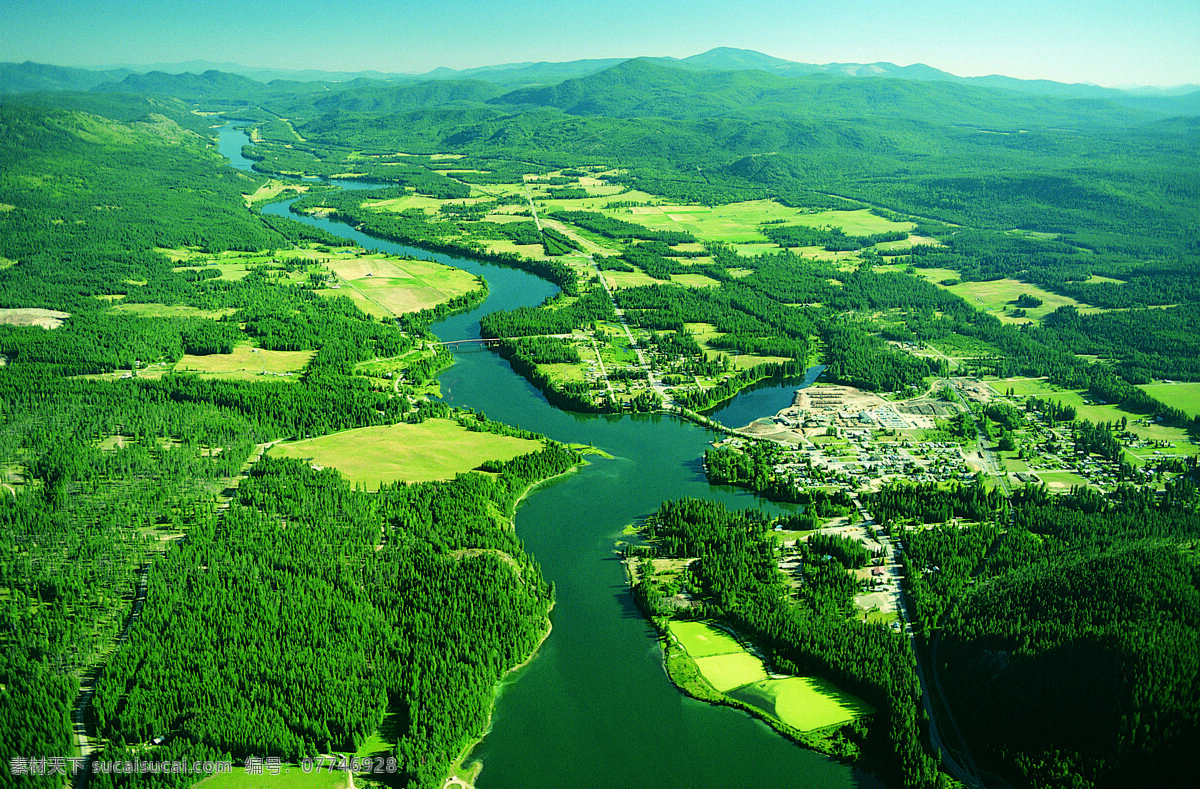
x=595, y=708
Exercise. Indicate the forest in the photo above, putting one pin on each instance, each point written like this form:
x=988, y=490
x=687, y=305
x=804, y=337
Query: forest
x=135, y=562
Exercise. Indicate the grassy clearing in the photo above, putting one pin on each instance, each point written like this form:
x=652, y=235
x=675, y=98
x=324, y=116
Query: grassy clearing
x=246, y=363
x=702, y=640
x=805, y=703
x=272, y=189
x=1185, y=396
x=33, y=316
x=290, y=777
x=704, y=333
x=738, y=223
x=436, y=449
x=726, y=672
x=999, y=295
x=153, y=310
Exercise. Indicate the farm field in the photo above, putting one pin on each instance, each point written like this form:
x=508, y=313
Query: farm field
x=738, y=223
x=386, y=287
x=805, y=703
x=245, y=363
x=726, y=672
x=436, y=449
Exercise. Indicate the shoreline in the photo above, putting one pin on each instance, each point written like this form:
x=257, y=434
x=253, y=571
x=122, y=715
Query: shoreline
x=465, y=774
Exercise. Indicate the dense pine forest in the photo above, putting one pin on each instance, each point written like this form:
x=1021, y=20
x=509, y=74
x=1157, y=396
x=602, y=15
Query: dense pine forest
x=213, y=601
x=134, y=561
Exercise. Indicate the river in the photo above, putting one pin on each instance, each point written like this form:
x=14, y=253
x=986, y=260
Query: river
x=594, y=708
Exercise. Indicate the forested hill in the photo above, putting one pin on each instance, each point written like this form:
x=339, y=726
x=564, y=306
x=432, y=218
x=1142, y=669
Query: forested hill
x=643, y=87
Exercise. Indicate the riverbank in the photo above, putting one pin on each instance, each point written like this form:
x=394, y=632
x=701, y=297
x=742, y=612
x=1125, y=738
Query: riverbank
x=464, y=772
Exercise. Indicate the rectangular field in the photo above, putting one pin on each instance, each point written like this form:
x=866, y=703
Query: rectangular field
x=726, y=672
x=703, y=640
x=436, y=449
x=738, y=223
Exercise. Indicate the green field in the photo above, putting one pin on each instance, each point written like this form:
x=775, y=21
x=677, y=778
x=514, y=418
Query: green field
x=1185, y=397
x=1060, y=481
x=290, y=777
x=805, y=703
x=726, y=672
x=702, y=640
x=435, y=449
x=739, y=223
x=1086, y=408
x=998, y=295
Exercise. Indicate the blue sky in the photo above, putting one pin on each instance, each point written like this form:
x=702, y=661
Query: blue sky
x=1155, y=42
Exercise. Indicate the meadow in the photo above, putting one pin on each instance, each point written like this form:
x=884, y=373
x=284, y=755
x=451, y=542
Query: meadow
x=436, y=449
x=246, y=363
x=998, y=296
x=1184, y=396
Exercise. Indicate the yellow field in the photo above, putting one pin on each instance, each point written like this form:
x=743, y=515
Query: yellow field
x=386, y=287
x=703, y=640
x=726, y=672
x=433, y=450
x=246, y=363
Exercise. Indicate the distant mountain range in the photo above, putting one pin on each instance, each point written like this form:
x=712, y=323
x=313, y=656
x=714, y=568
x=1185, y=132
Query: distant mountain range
x=204, y=78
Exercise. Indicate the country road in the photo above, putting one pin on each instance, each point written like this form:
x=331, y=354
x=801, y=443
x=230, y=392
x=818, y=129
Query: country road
x=968, y=774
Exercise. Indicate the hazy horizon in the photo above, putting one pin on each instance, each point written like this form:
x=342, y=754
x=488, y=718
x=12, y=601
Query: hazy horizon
x=1101, y=42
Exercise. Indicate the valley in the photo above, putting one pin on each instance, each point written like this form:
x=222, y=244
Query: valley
x=905, y=473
